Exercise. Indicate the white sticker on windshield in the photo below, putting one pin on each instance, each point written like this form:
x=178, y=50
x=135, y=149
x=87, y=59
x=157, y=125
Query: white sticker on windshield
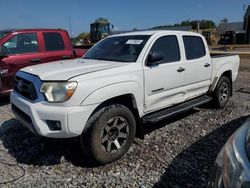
x=137, y=42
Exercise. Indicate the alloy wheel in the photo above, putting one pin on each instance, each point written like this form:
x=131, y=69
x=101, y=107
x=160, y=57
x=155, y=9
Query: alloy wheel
x=224, y=92
x=114, y=134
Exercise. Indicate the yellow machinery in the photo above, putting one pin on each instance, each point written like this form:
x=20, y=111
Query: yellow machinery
x=99, y=29
x=210, y=36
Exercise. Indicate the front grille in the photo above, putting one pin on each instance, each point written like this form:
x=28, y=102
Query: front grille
x=25, y=88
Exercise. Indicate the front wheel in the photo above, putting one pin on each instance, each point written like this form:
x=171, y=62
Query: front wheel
x=222, y=92
x=110, y=133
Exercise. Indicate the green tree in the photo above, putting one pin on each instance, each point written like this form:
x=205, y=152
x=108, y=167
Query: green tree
x=207, y=24
x=204, y=24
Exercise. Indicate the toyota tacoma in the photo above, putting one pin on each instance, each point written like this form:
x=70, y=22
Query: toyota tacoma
x=121, y=83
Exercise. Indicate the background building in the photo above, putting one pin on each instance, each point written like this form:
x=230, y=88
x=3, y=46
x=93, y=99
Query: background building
x=246, y=25
x=234, y=26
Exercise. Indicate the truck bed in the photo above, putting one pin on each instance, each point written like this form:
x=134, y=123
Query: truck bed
x=226, y=62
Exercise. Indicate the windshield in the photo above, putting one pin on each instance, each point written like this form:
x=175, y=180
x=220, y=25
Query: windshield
x=121, y=48
x=3, y=34
x=104, y=28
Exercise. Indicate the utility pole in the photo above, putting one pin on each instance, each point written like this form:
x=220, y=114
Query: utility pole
x=198, y=26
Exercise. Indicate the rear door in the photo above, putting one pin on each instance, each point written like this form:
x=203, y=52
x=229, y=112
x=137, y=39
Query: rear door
x=21, y=49
x=164, y=81
x=56, y=47
x=198, y=66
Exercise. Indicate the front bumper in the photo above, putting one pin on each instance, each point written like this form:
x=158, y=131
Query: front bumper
x=232, y=166
x=36, y=115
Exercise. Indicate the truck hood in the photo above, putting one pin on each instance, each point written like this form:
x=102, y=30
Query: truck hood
x=66, y=69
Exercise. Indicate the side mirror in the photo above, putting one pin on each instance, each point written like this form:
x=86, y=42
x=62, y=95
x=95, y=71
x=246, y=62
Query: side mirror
x=154, y=58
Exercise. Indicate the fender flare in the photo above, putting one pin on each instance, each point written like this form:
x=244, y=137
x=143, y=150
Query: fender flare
x=221, y=71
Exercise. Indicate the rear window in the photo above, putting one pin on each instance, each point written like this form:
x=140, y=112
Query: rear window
x=53, y=41
x=194, y=47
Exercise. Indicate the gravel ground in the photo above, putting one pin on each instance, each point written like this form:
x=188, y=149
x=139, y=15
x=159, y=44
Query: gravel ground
x=177, y=152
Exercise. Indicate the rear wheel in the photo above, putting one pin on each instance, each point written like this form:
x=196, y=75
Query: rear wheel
x=222, y=92
x=110, y=134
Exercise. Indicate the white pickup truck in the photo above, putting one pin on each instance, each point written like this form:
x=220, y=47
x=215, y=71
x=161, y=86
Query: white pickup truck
x=122, y=82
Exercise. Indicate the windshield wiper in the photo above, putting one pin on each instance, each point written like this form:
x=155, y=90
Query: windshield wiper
x=107, y=59
x=99, y=58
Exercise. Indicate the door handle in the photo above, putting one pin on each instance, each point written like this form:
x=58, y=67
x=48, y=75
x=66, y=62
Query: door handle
x=180, y=69
x=35, y=60
x=65, y=57
x=207, y=65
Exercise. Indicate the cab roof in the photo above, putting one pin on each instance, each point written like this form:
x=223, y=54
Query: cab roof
x=27, y=30
x=153, y=32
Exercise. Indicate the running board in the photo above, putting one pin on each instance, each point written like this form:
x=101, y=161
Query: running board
x=174, y=110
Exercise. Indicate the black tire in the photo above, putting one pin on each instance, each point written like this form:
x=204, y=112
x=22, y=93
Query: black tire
x=222, y=92
x=104, y=131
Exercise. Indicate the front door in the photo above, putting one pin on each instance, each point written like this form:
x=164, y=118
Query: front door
x=21, y=50
x=164, y=81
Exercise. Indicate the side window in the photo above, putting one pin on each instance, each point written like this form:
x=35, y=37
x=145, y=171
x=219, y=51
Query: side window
x=168, y=46
x=53, y=41
x=21, y=43
x=194, y=47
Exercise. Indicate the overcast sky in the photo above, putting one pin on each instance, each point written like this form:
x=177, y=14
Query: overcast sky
x=124, y=15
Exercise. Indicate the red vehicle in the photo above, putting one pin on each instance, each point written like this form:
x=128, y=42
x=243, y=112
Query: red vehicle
x=21, y=48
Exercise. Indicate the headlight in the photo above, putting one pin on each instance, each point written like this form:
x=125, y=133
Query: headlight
x=248, y=141
x=231, y=166
x=58, y=91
